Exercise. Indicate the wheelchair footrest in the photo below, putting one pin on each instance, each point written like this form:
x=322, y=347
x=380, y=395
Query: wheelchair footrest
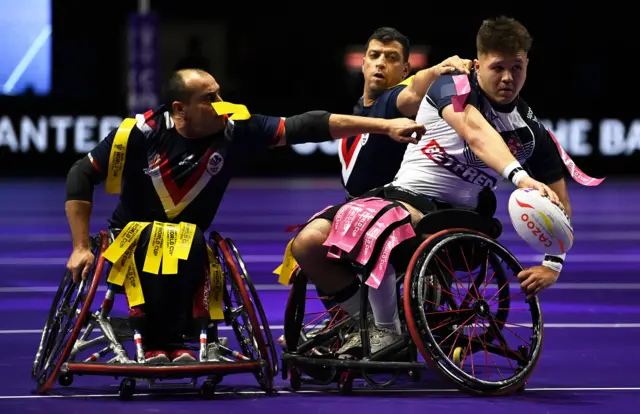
x=176, y=371
x=296, y=359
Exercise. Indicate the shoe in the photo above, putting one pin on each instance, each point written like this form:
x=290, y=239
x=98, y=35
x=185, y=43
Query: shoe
x=379, y=339
x=156, y=357
x=319, y=328
x=182, y=356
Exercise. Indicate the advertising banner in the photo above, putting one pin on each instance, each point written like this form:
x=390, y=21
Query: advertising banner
x=600, y=147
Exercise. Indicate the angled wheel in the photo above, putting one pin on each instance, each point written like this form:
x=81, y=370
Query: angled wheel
x=244, y=317
x=242, y=267
x=463, y=317
x=67, y=316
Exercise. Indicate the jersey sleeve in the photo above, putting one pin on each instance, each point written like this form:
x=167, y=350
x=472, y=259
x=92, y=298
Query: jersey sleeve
x=100, y=154
x=260, y=131
x=544, y=164
x=444, y=89
x=389, y=100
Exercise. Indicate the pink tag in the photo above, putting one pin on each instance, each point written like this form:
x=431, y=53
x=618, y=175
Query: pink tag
x=396, y=237
x=576, y=173
x=371, y=236
x=463, y=88
x=351, y=221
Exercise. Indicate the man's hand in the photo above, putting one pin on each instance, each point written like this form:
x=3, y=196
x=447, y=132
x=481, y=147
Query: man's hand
x=452, y=64
x=402, y=129
x=536, y=279
x=545, y=191
x=80, y=263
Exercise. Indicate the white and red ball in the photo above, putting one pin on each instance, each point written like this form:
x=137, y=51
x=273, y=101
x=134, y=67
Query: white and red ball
x=540, y=223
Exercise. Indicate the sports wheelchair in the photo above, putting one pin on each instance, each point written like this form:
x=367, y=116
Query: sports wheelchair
x=459, y=327
x=67, y=333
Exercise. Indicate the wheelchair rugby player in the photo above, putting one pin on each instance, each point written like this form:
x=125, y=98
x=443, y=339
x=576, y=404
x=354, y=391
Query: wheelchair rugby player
x=433, y=222
x=171, y=167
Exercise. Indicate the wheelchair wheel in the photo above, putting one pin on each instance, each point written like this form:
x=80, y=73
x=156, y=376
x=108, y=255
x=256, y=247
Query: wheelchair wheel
x=243, y=313
x=68, y=314
x=460, y=327
x=256, y=302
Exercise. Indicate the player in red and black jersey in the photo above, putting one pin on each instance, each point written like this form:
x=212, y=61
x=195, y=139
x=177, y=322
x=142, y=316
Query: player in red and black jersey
x=179, y=160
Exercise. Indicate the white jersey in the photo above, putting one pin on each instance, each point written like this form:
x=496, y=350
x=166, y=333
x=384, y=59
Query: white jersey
x=443, y=167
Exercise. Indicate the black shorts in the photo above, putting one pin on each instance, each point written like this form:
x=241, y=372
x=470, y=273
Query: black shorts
x=402, y=254
x=423, y=204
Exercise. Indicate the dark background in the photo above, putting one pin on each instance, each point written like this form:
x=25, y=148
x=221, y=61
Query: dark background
x=282, y=58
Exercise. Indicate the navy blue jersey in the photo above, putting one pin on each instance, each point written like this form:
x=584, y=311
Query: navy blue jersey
x=371, y=160
x=170, y=178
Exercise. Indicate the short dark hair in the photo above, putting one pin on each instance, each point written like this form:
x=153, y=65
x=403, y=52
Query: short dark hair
x=389, y=34
x=503, y=35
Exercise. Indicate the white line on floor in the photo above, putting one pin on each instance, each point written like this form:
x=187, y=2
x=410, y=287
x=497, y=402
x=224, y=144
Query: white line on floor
x=328, y=391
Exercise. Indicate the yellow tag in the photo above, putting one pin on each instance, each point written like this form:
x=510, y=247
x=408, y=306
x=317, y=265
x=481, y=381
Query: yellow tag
x=405, y=82
x=240, y=112
x=118, y=271
x=118, y=155
x=217, y=284
x=169, y=259
x=185, y=238
x=154, y=250
x=132, y=286
x=288, y=264
x=127, y=237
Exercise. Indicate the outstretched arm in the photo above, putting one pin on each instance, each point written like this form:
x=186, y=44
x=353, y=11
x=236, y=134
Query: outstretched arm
x=408, y=101
x=319, y=126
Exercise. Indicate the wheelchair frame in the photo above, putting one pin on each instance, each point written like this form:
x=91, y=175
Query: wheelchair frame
x=55, y=358
x=412, y=309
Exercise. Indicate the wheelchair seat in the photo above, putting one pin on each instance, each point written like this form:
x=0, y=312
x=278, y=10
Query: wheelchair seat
x=437, y=221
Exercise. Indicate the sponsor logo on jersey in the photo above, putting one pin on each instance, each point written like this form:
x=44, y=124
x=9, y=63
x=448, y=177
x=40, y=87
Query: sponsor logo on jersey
x=472, y=175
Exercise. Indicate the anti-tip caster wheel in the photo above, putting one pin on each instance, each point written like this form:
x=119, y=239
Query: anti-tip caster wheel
x=127, y=388
x=208, y=390
x=345, y=384
x=65, y=379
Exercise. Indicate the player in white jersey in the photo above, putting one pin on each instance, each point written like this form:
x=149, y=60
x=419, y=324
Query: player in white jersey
x=479, y=130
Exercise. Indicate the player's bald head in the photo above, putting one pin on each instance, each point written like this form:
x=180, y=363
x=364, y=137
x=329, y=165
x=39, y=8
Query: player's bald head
x=184, y=83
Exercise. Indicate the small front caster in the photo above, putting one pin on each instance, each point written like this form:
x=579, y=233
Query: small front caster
x=65, y=379
x=208, y=389
x=345, y=384
x=295, y=380
x=127, y=388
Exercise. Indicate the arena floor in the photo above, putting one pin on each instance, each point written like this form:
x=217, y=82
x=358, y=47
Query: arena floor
x=592, y=316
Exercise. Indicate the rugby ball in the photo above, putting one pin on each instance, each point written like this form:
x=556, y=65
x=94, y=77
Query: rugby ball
x=539, y=222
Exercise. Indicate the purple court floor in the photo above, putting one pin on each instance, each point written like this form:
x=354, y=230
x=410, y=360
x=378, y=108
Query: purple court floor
x=590, y=361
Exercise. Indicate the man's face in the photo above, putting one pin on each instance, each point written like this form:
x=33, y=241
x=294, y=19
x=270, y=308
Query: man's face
x=199, y=116
x=502, y=76
x=383, y=66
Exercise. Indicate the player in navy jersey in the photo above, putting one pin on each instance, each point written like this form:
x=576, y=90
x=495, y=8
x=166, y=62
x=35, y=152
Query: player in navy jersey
x=174, y=167
x=478, y=130
x=368, y=162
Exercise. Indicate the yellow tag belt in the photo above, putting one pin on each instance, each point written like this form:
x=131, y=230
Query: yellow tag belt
x=168, y=243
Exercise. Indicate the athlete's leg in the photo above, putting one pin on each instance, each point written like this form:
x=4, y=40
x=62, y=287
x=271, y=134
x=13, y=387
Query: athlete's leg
x=331, y=277
x=169, y=298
